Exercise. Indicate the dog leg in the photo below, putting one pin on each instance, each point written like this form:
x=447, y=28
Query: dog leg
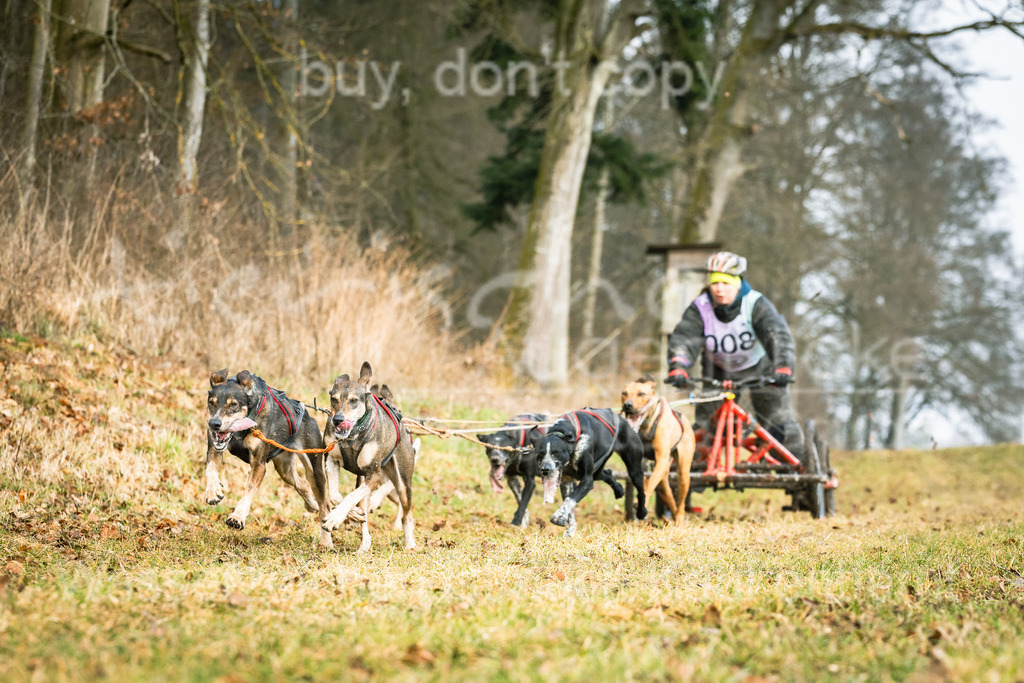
x=385, y=491
x=570, y=527
x=408, y=531
x=319, y=476
x=333, y=476
x=214, y=488
x=665, y=493
x=236, y=520
x=393, y=497
x=287, y=466
x=607, y=477
x=662, y=463
x=404, y=492
x=364, y=545
x=682, y=485
x=523, y=492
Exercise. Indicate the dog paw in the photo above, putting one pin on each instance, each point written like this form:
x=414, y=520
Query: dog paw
x=570, y=526
x=356, y=515
x=235, y=522
x=523, y=523
x=326, y=541
x=333, y=520
x=641, y=512
x=214, y=496
x=618, y=490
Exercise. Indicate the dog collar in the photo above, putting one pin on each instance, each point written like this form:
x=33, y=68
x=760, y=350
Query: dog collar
x=362, y=424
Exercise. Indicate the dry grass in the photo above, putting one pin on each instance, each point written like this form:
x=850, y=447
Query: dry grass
x=219, y=299
x=112, y=568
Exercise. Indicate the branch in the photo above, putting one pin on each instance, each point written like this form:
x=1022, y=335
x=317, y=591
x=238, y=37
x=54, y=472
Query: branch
x=877, y=32
x=144, y=50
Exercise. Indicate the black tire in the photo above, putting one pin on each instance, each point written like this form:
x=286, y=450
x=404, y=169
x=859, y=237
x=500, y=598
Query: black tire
x=814, y=493
x=830, y=494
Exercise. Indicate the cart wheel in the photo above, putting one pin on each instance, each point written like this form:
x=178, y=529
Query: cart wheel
x=826, y=462
x=814, y=494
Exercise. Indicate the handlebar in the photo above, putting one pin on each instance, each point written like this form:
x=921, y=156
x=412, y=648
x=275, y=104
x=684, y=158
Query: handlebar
x=735, y=383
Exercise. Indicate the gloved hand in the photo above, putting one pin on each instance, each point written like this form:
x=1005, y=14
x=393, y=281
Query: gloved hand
x=783, y=376
x=678, y=377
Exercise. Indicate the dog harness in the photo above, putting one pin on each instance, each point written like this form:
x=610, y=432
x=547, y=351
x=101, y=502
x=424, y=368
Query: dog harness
x=521, y=419
x=574, y=419
x=290, y=408
x=657, y=420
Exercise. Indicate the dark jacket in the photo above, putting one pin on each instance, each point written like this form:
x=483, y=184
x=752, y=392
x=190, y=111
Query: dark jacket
x=687, y=339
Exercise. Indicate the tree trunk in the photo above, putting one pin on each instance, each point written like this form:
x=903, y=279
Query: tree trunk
x=34, y=94
x=79, y=56
x=897, y=415
x=719, y=157
x=597, y=238
x=537, y=322
x=545, y=353
x=289, y=174
x=190, y=130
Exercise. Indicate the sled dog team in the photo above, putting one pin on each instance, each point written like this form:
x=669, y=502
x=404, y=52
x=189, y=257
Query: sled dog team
x=366, y=436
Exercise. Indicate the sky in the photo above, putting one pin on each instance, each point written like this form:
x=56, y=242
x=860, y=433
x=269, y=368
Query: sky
x=1001, y=97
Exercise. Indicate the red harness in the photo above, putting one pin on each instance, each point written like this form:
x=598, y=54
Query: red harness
x=394, y=421
x=575, y=420
x=287, y=416
x=522, y=434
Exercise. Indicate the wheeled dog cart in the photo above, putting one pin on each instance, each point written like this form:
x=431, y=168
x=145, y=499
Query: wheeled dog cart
x=743, y=454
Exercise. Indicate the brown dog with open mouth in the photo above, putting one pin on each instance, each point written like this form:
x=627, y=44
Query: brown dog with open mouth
x=374, y=444
x=665, y=436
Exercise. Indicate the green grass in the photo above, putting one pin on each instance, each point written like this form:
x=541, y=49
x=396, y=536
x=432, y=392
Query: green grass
x=115, y=569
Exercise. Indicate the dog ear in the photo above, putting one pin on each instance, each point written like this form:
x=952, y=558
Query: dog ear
x=483, y=437
x=647, y=379
x=342, y=378
x=244, y=378
x=219, y=377
x=385, y=393
x=365, y=373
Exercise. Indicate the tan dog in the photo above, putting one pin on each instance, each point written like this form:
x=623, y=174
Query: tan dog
x=665, y=436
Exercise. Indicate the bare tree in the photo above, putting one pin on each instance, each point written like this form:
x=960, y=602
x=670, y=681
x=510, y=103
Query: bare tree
x=589, y=37
x=194, y=30
x=34, y=92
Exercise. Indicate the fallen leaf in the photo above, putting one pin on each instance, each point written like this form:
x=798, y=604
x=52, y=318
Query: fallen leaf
x=712, y=616
x=236, y=599
x=417, y=654
x=617, y=612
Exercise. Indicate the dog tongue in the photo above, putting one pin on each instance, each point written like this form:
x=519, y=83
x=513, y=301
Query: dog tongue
x=345, y=426
x=240, y=425
x=496, y=474
x=550, y=487
x=634, y=422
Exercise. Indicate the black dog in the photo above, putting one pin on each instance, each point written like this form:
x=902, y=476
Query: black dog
x=577, y=447
x=237, y=405
x=518, y=467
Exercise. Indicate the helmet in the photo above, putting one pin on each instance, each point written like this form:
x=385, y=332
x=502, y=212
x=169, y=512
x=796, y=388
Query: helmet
x=727, y=262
